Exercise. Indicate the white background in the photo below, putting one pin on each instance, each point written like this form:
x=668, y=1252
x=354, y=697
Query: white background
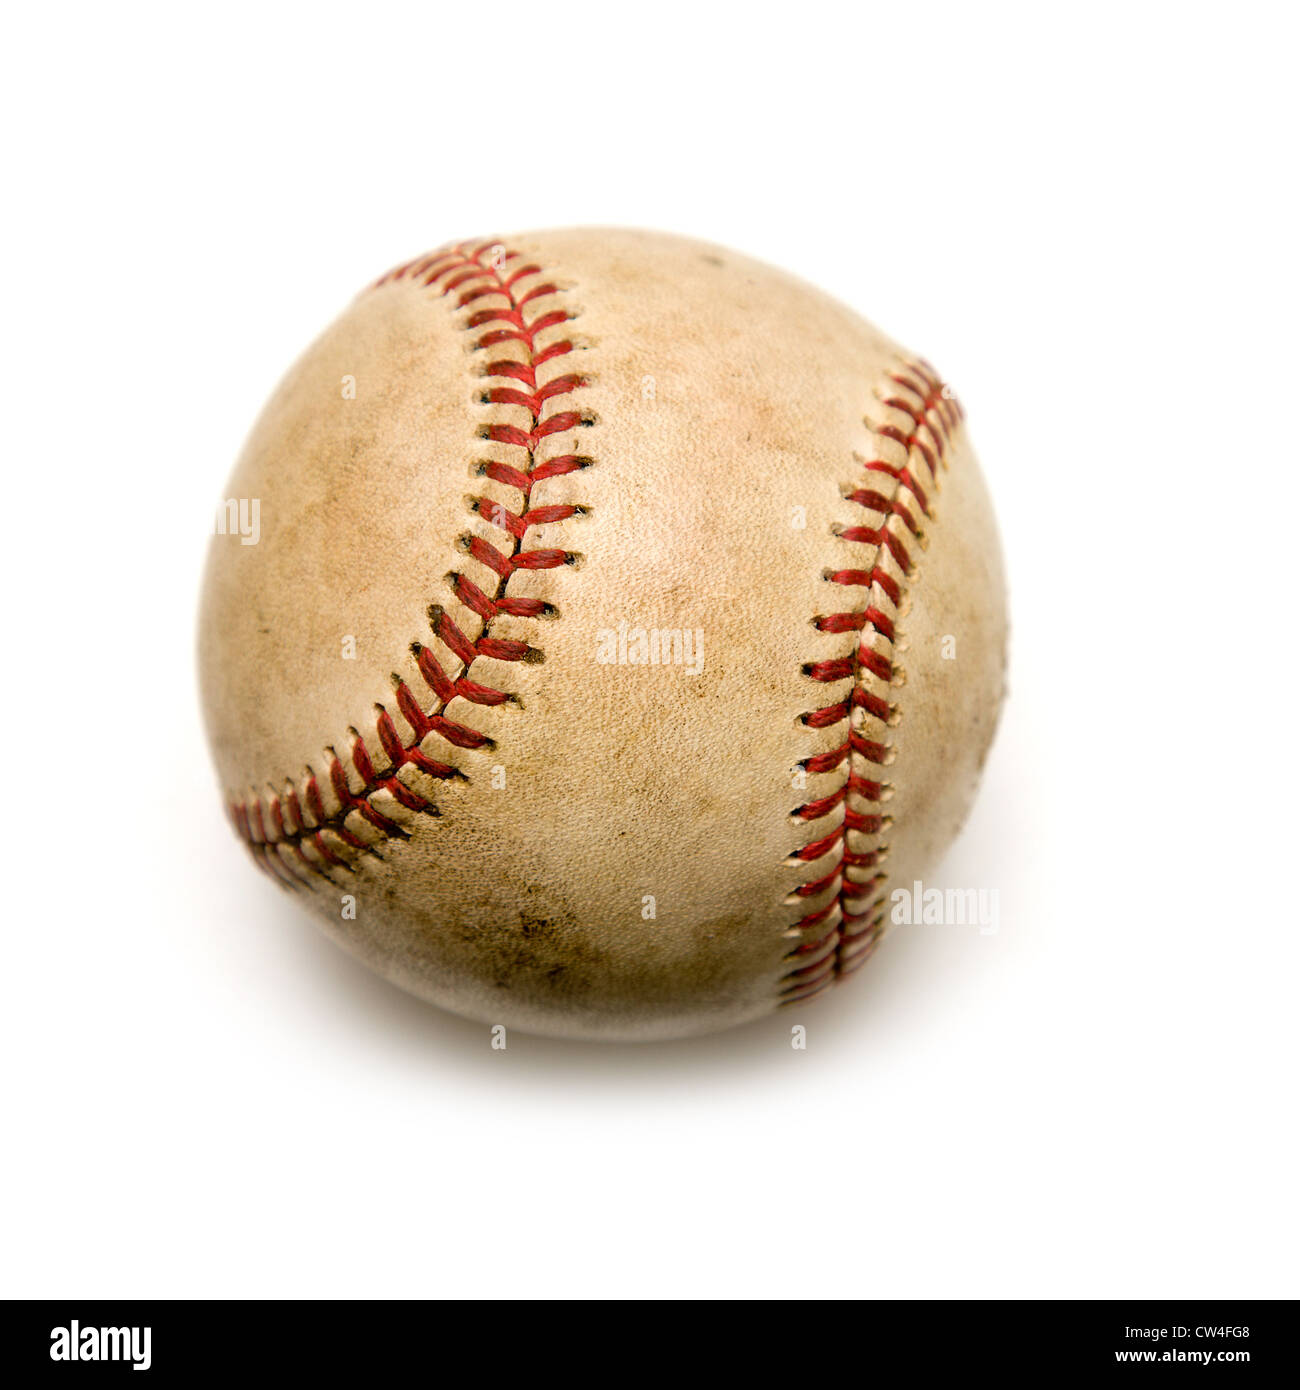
x=1087, y=221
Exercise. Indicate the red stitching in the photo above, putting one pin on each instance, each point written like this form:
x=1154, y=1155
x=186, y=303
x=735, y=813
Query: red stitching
x=295, y=828
x=840, y=936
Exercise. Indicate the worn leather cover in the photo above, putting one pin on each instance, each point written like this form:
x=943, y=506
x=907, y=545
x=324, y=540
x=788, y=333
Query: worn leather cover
x=509, y=471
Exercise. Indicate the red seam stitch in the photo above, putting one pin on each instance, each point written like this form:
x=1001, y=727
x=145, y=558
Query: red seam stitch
x=858, y=906
x=460, y=268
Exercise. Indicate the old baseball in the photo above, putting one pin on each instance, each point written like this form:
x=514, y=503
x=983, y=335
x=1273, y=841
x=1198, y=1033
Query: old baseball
x=602, y=623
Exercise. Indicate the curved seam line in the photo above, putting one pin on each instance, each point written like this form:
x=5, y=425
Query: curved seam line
x=280, y=831
x=836, y=951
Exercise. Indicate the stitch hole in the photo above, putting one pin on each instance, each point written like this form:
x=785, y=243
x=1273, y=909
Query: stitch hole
x=454, y=774
x=479, y=469
x=800, y=899
x=488, y=508
x=809, y=668
x=798, y=863
x=805, y=720
x=485, y=431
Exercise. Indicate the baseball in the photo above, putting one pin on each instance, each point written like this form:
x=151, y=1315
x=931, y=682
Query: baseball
x=599, y=625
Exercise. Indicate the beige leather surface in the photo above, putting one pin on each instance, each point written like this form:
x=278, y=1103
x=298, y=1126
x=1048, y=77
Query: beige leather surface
x=618, y=857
